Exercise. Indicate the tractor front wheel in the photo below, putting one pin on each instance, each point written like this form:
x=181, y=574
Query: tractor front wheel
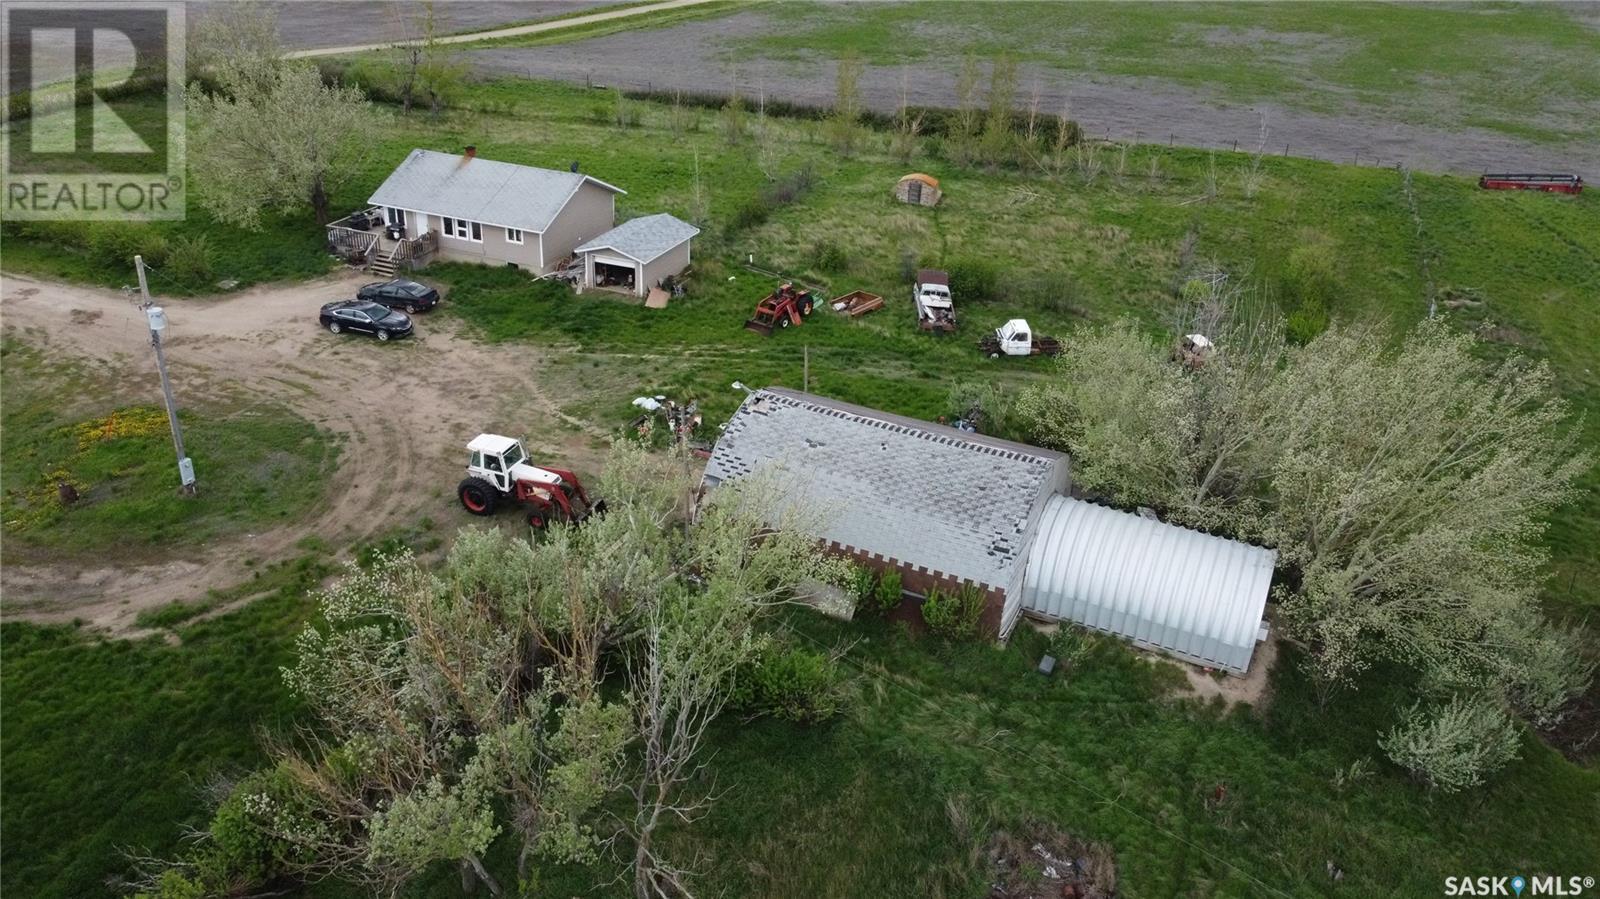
x=537, y=521
x=478, y=496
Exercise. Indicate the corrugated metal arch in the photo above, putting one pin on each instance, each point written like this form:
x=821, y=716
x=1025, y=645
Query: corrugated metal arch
x=1193, y=595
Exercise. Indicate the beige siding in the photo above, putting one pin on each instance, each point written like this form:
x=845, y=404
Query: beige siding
x=671, y=262
x=493, y=250
x=590, y=213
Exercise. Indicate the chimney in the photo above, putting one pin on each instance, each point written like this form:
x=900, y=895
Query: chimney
x=470, y=152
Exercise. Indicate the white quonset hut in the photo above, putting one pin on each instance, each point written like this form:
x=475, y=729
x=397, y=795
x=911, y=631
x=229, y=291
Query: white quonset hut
x=946, y=507
x=1164, y=587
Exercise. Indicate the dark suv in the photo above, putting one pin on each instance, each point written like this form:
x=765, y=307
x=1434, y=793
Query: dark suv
x=400, y=294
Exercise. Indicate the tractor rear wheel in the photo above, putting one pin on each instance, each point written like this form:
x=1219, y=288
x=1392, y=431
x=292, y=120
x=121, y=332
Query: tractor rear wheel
x=477, y=496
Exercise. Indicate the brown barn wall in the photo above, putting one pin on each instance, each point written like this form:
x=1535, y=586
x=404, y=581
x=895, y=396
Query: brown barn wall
x=919, y=580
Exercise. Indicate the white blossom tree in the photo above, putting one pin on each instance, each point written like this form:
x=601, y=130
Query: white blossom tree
x=283, y=143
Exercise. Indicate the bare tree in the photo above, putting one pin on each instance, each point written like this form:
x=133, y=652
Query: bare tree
x=963, y=131
x=908, y=124
x=998, y=139
x=844, y=125
x=1252, y=175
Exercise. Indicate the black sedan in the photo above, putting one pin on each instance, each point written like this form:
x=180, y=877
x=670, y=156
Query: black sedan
x=368, y=318
x=400, y=294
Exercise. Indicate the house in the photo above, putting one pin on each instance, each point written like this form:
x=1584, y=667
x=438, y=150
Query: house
x=468, y=209
x=918, y=190
x=637, y=254
x=948, y=508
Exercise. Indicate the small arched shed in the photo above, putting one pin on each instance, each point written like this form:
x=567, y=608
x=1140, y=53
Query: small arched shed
x=1165, y=587
x=918, y=190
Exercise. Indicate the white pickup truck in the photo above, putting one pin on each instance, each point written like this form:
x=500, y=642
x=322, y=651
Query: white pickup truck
x=931, y=296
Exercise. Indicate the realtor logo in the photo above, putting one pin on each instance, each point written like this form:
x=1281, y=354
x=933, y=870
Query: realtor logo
x=94, y=124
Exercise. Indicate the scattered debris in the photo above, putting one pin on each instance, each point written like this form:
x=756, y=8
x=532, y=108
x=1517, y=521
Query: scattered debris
x=857, y=303
x=657, y=299
x=1052, y=863
x=1192, y=350
x=683, y=420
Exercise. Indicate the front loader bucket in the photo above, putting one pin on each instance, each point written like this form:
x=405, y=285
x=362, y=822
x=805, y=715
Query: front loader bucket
x=759, y=326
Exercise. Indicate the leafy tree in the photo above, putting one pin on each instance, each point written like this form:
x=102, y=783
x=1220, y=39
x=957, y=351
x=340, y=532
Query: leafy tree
x=459, y=705
x=280, y=140
x=237, y=45
x=1453, y=746
x=1410, y=486
x=1405, y=487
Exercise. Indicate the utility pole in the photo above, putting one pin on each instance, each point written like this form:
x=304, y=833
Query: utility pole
x=157, y=319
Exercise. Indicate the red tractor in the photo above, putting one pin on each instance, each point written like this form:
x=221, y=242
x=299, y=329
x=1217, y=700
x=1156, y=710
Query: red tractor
x=781, y=309
x=499, y=471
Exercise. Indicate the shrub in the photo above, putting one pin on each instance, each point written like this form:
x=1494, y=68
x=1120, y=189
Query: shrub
x=829, y=257
x=791, y=684
x=888, y=592
x=954, y=615
x=863, y=585
x=1454, y=746
x=1310, y=282
x=974, y=281
x=189, y=260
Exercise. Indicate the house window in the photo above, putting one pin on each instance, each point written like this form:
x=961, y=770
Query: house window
x=463, y=229
x=513, y=235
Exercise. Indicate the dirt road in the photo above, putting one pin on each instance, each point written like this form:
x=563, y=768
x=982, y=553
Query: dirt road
x=513, y=31
x=694, y=57
x=402, y=412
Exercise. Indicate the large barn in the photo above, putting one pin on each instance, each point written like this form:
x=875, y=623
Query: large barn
x=946, y=507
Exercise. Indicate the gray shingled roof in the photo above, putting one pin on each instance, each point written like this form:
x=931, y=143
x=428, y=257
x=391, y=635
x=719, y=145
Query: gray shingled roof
x=480, y=190
x=643, y=239
x=920, y=493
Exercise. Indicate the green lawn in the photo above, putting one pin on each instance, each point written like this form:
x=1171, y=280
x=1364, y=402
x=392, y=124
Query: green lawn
x=1524, y=70
x=256, y=466
x=110, y=745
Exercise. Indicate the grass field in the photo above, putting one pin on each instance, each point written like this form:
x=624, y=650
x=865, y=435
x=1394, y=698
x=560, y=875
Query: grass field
x=941, y=745
x=108, y=744
x=1523, y=70
x=265, y=462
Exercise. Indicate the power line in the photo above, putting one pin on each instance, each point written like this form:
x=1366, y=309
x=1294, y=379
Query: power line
x=1017, y=752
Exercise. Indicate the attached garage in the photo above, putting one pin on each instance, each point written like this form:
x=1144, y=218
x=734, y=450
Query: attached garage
x=638, y=254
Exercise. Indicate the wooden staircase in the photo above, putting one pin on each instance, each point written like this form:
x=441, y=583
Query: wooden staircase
x=383, y=265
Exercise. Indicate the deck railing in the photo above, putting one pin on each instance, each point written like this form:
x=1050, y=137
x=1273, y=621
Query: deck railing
x=349, y=241
x=414, y=252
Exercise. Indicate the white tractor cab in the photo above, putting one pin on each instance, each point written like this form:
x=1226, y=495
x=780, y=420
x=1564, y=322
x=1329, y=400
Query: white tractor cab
x=1015, y=338
x=498, y=470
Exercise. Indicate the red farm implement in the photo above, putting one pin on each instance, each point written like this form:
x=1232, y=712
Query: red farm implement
x=1561, y=184
x=787, y=306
